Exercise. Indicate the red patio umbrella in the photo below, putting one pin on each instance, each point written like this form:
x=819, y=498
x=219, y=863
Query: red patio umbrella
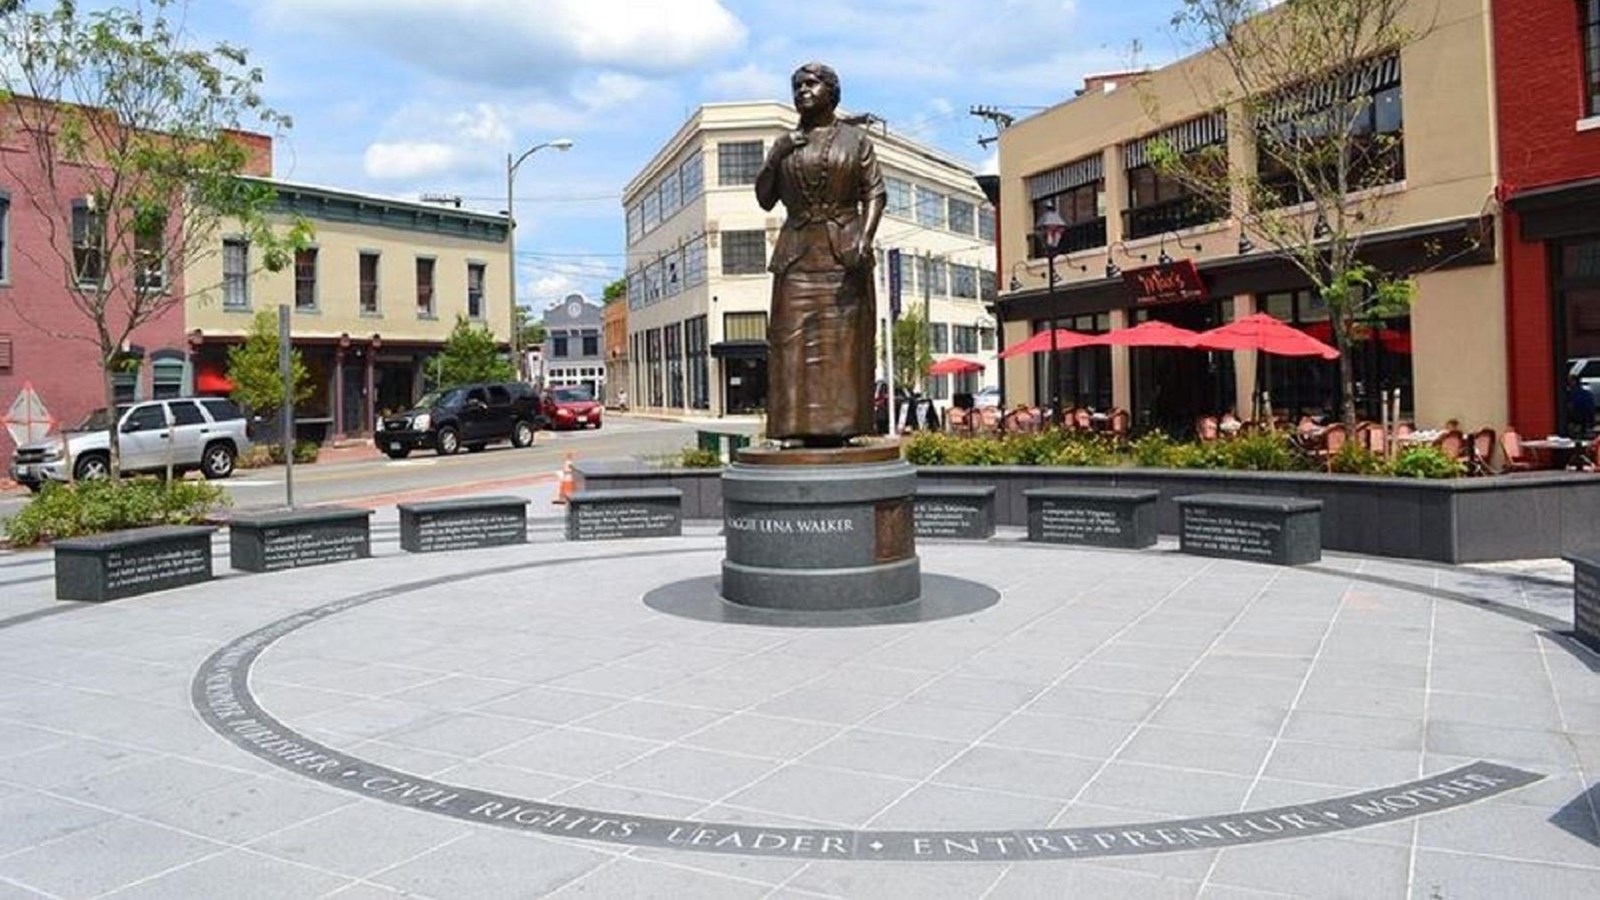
x=1040, y=343
x=1262, y=332
x=955, y=365
x=1148, y=334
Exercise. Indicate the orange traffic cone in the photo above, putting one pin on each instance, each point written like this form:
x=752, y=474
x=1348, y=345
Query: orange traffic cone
x=566, y=487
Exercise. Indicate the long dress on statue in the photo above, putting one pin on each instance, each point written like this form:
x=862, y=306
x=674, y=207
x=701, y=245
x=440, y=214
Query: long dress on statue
x=822, y=335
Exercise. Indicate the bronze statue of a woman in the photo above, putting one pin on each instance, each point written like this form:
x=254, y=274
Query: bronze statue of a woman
x=823, y=329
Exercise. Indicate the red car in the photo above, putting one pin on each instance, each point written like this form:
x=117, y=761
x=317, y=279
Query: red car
x=571, y=407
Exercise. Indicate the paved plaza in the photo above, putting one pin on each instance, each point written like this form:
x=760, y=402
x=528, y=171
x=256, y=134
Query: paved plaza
x=517, y=722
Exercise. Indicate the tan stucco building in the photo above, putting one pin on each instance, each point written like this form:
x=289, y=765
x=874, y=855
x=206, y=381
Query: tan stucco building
x=373, y=298
x=698, y=245
x=1090, y=158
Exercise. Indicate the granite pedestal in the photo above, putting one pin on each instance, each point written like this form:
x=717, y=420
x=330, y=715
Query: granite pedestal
x=1586, y=598
x=820, y=530
x=622, y=514
x=464, y=524
x=1282, y=530
x=1097, y=517
x=290, y=538
x=136, y=561
x=959, y=511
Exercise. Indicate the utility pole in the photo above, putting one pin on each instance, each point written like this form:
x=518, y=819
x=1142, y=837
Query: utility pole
x=1001, y=120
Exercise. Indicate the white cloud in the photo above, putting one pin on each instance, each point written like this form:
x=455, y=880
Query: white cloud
x=522, y=43
x=749, y=82
x=407, y=160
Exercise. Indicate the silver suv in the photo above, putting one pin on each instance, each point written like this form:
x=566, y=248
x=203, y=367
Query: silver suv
x=204, y=433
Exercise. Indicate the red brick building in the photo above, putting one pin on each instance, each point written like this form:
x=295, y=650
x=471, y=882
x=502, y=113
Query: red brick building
x=46, y=341
x=1547, y=60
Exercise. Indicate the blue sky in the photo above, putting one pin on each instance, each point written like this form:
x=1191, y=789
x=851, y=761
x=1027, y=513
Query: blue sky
x=401, y=97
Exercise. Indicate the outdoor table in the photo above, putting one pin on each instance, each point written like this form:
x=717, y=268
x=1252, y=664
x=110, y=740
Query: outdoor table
x=1420, y=437
x=1562, y=450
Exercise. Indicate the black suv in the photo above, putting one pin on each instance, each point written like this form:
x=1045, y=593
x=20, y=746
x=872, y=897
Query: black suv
x=469, y=416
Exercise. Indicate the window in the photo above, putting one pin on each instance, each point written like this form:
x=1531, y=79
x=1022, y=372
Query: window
x=988, y=286
x=475, y=272
x=425, y=308
x=694, y=262
x=88, y=239
x=368, y=286
x=738, y=162
x=964, y=282
x=939, y=337
x=692, y=176
x=931, y=275
x=635, y=223
x=1367, y=125
x=964, y=338
x=636, y=298
x=673, y=340
x=1381, y=357
x=235, y=274
x=899, y=200
x=745, y=326
x=184, y=412
x=558, y=345
x=985, y=339
x=149, y=244
x=305, y=279
x=166, y=377
x=5, y=237
x=962, y=216
x=652, y=211
x=591, y=345
x=222, y=410
x=652, y=357
x=145, y=418
x=930, y=208
x=1077, y=192
x=1591, y=54
x=986, y=223
x=938, y=387
x=672, y=273
x=670, y=198
x=744, y=252
x=1159, y=203
x=694, y=339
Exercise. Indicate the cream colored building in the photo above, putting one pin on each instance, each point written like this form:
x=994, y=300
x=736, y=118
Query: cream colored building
x=698, y=246
x=1088, y=157
x=374, y=297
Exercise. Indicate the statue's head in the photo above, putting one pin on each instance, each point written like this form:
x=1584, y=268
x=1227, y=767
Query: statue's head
x=816, y=88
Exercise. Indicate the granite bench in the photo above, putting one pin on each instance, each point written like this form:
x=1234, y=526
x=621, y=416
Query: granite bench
x=463, y=524
x=266, y=541
x=122, y=564
x=954, y=511
x=1586, y=598
x=624, y=513
x=1098, y=517
x=1282, y=530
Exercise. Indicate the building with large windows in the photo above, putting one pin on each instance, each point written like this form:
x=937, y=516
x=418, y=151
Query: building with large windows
x=1091, y=159
x=572, y=354
x=698, y=245
x=373, y=299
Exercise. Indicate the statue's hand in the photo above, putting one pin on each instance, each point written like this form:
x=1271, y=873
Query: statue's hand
x=857, y=256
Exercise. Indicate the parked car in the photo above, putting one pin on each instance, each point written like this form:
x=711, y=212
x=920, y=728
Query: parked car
x=191, y=433
x=986, y=398
x=1588, y=371
x=571, y=407
x=471, y=416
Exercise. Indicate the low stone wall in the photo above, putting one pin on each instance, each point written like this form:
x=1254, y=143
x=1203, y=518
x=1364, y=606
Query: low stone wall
x=1534, y=515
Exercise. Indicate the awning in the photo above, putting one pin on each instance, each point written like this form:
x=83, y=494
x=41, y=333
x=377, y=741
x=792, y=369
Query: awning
x=739, y=350
x=212, y=380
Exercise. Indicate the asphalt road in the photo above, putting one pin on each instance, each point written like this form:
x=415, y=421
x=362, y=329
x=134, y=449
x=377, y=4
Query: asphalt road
x=379, y=479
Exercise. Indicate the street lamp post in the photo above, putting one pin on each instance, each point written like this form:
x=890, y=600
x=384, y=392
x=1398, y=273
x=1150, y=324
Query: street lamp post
x=1050, y=226
x=562, y=144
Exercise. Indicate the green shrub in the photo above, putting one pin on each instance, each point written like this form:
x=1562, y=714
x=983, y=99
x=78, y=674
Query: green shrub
x=1266, y=451
x=93, y=507
x=1354, y=459
x=1039, y=448
x=698, y=458
x=1425, y=462
x=1152, y=450
x=1085, y=450
x=976, y=451
x=1209, y=455
x=927, y=448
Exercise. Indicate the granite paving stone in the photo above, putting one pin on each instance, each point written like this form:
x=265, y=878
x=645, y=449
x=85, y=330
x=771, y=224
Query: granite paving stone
x=1107, y=690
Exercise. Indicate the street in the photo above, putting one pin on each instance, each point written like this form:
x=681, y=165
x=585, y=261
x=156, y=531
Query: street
x=383, y=479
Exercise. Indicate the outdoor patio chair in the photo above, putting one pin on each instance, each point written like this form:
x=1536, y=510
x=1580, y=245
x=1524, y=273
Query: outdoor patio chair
x=1513, y=458
x=1403, y=430
x=988, y=419
x=958, y=421
x=1120, y=423
x=1207, y=429
x=1452, y=444
x=1081, y=419
x=1370, y=435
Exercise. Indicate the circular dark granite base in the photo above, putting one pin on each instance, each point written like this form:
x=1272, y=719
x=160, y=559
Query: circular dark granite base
x=942, y=597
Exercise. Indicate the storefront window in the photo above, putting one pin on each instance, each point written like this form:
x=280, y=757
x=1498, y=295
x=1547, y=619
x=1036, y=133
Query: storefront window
x=1307, y=386
x=1578, y=311
x=1085, y=372
x=1173, y=388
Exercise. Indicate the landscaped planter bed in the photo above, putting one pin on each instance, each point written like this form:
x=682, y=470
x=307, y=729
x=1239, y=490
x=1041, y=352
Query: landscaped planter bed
x=1521, y=516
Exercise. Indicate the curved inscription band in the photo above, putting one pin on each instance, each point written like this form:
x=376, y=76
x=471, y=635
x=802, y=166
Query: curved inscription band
x=221, y=694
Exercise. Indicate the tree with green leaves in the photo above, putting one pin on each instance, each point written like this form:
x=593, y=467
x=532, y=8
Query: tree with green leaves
x=470, y=354
x=253, y=368
x=913, y=349
x=616, y=290
x=131, y=133
x=533, y=332
x=1302, y=83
